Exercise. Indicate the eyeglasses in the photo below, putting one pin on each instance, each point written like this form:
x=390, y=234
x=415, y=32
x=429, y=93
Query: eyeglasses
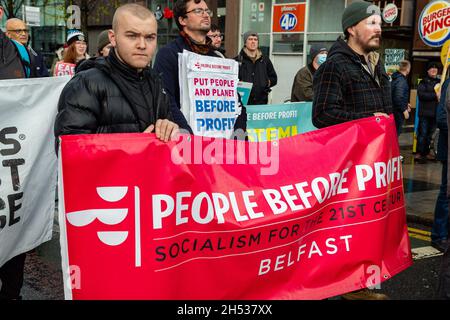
x=216, y=36
x=19, y=31
x=200, y=11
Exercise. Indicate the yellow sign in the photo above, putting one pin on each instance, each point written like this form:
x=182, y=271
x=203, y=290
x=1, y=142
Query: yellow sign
x=445, y=53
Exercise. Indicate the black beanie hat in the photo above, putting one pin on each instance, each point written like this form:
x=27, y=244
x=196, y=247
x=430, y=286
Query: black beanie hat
x=102, y=40
x=356, y=12
x=315, y=50
x=432, y=64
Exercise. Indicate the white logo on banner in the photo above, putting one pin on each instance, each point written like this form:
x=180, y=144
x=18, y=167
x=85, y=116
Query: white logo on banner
x=110, y=217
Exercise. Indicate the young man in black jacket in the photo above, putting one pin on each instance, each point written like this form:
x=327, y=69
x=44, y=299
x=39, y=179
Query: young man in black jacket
x=256, y=68
x=119, y=93
x=193, y=19
x=428, y=101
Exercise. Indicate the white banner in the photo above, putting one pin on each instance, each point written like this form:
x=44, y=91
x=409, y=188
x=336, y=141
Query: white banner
x=28, y=163
x=208, y=92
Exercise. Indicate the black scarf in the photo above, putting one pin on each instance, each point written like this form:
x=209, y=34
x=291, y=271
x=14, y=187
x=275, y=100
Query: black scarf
x=196, y=47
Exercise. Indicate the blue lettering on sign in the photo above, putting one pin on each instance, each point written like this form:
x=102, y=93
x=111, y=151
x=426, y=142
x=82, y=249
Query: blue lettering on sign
x=215, y=106
x=288, y=21
x=215, y=124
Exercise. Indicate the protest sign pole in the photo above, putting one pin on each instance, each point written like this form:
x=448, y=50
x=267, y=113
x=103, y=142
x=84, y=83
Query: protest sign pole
x=445, y=57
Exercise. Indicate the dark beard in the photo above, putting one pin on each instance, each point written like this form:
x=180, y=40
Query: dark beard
x=369, y=48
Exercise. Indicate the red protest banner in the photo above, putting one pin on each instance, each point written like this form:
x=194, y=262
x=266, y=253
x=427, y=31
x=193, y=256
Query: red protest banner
x=64, y=69
x=306, y=217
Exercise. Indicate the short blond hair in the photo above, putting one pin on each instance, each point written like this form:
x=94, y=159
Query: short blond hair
x=134, y=9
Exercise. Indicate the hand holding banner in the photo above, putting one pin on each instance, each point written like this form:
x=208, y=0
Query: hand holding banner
x=208, y=91
x=225, y=219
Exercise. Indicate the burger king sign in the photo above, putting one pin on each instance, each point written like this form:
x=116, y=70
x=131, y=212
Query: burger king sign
x=434, y=23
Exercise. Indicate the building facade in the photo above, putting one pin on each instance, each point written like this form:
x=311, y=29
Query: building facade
x=289, y=51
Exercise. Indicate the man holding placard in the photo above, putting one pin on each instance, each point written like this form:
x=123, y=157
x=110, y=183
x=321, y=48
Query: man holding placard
x=193, y=18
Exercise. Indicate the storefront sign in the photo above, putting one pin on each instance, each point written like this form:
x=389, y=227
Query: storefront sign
x=390, y=13
x=434, y=23
x=289, y=17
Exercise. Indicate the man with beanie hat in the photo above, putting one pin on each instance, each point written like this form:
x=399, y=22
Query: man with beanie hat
x=352, y=83
x=256, y=68
x=103, y=44
x=428, y=101
x=302, y=88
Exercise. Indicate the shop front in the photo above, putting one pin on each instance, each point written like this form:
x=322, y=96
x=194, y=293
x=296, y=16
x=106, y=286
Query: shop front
x=287, y=29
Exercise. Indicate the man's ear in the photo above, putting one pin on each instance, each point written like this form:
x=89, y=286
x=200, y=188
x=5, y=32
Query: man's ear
x=112, y=37
x=182, y=22
x=351, y=31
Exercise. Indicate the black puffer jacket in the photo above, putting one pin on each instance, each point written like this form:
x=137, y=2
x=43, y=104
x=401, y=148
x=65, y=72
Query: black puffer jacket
x=427, y=97
x=106, y=96
x=259, y=73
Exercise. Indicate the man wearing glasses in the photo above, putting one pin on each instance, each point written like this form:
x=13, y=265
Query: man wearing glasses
x=11, y=65
x=17, y=30
x=193, y=19
x=216, y=37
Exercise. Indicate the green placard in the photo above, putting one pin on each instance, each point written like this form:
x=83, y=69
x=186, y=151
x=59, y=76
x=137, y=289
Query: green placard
x=273, y=122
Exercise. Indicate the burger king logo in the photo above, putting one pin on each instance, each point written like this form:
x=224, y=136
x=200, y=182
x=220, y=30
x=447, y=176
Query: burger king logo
x=390, y=13
x=434, y=23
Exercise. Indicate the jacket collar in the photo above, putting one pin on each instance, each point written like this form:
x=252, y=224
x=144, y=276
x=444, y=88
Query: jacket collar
x=245, y=54
x=124, y=69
